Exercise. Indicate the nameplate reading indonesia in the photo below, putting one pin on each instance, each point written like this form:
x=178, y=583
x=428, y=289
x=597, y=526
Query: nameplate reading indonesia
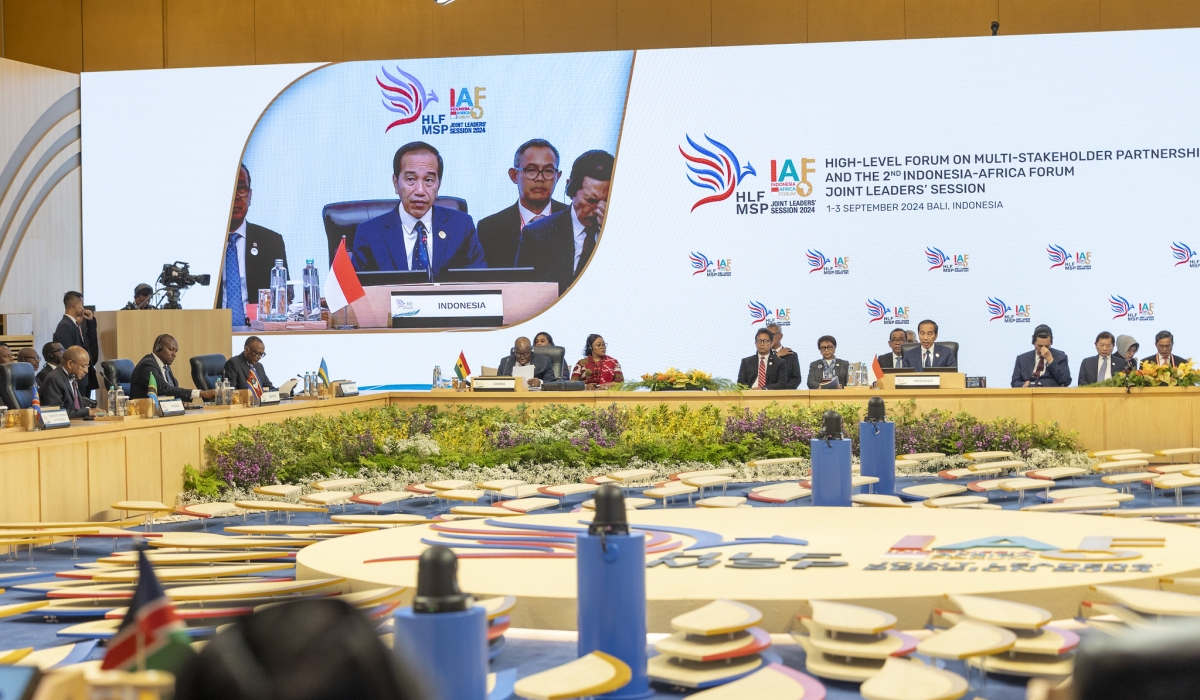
x=448, y=309
x=918, y=381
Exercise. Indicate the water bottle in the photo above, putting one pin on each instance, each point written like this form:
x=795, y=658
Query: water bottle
x=112, y=400
x=437, y=376
x=312, y=291
x=279, y=292
x=121, y=401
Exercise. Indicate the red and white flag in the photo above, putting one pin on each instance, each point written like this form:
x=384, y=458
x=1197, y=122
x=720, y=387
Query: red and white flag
x=342, y=287
x=876, y=369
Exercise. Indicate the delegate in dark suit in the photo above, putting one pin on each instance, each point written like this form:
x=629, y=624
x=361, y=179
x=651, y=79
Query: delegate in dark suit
x=1176, y=360
x=792, y=367
x=816, y=370
x=379, y=243
x=777, y=376
x=263, y=248
x=139, y=382
x=1089, y=369
x=1058, y=372
x=83, y=334
x=943, y=356
x=542, y=367
x=237, y=371
x=56, y=390
x=548, y=246
x=500, y=234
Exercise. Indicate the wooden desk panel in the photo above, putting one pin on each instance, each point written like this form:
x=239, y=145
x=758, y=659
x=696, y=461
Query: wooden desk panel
x=73, y=474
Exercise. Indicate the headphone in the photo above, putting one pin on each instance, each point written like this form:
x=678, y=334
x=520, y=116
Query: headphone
x=158, y=343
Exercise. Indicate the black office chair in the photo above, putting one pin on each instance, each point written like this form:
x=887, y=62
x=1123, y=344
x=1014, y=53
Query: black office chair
x=117, y=373
x=950, y=344
x=207, y=370
x=342, y=218
x=556, y=354
x=17, y=380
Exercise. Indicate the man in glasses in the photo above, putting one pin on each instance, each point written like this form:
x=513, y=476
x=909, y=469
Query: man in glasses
x=763, y=370
x=828, y=372
x=1164, y=343
x=250, y=253
x=559, y=247
x=535, y=173
x=237, y=368
x=61, y=387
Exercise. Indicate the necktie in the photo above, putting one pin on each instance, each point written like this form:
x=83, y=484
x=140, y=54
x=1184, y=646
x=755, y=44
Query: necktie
x=74, y=393
x=1104, y=368
x=589, y=244
x=897, y=361
x=420, y=254
x=1041, y=367
x=928, y=358
x=762, y=372
x=233, y=282
x=170, y=379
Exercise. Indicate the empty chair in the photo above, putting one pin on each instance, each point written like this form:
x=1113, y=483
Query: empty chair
x=17, y=380
x=207, y=370
x=117, y=373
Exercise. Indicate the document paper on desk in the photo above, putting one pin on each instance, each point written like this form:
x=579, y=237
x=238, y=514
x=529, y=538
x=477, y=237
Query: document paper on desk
x=523, y=371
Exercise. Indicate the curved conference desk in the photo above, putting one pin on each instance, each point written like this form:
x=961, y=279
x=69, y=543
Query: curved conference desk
x=75, y=473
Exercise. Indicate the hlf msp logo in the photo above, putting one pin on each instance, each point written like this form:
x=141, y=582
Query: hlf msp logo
x=701, y=265
x=999, y=311
x=1128, y=311
x=959, y=262
x=1184, y=255
x=761, y=314
x=407, y=97
x=818, y=262
x=1059, y=257
x=718, y=170
x=890, y=315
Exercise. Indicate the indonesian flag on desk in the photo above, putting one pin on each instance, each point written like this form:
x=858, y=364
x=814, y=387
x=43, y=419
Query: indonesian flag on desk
x=342, y=287
x=461, y=368
x=876, y=369
x=152, y=635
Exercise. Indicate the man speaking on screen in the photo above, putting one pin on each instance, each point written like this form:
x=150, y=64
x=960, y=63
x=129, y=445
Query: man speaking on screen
x=417, y=235
x=559, y=247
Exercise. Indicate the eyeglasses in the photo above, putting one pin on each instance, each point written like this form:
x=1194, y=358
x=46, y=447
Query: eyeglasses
x=259, y=355
x=760, y=341
x=826, y=347
x=242, y=191
x=547, y=173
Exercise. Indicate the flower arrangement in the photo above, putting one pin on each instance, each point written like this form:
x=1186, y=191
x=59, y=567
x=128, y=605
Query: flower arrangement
x=677, y=380
x=563, y=443
x=1151, y=374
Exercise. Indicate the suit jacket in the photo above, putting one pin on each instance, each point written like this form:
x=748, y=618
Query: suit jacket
x=56, y=391
x=841, y=369
x=500, y=234
x=68, y=333
x=237, y=371
x=777, y=375
x=943, y=356
x=886, y=360
x=1177, y=359
x=139, y=381
x=269, y=246
x=543, y=368
x=1089, y=369
x=548, y=246
x=379, y=243
x=794, y=374
x=43, y=373
x=1058, y=372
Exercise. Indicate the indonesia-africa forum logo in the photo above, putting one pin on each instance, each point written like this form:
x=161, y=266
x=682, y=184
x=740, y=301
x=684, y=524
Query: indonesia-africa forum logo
x=1060, y=258
x=1000, y=311
x=404, y=95
x=760, y=314
x=701, y=265
x=1184, y=255
x=1123, y=308
x=714, y=167
x=890, y=315
x=938, y=260
x=819, y=262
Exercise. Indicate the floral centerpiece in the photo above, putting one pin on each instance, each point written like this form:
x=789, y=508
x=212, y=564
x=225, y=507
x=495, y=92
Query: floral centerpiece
x=1151, y=374
x=676, y=380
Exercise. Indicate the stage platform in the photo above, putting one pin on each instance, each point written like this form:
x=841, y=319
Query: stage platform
x=75, y=473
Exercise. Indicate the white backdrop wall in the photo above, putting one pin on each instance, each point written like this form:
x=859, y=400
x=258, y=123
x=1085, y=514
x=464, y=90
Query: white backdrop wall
x=1006, y=155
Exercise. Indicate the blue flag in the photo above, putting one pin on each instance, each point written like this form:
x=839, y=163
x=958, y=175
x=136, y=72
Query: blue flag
x=323, y=373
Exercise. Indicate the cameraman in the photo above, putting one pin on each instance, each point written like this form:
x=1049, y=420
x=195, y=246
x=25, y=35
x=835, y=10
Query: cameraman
x=141, y=298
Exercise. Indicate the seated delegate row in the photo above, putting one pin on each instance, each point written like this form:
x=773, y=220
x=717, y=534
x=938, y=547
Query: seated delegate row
x=556, y=240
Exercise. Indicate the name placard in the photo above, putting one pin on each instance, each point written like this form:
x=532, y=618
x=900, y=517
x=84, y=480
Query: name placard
x=345, y=388
x=918, y=381
x=435, y=309
x=55, y=419
x=171, y=407
x=494, y=384
x=269, y=397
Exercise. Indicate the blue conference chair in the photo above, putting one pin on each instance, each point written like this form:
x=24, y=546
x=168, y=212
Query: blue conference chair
x=207, y=370
x=17, y=380
x=342, y=218
x=117, y=373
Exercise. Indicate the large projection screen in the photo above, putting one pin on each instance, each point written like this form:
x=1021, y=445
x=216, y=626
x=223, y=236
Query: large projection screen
x=990, y=184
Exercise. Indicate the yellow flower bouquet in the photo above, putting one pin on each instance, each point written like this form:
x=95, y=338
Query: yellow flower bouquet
x=676, y=380
x=1151, y=374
